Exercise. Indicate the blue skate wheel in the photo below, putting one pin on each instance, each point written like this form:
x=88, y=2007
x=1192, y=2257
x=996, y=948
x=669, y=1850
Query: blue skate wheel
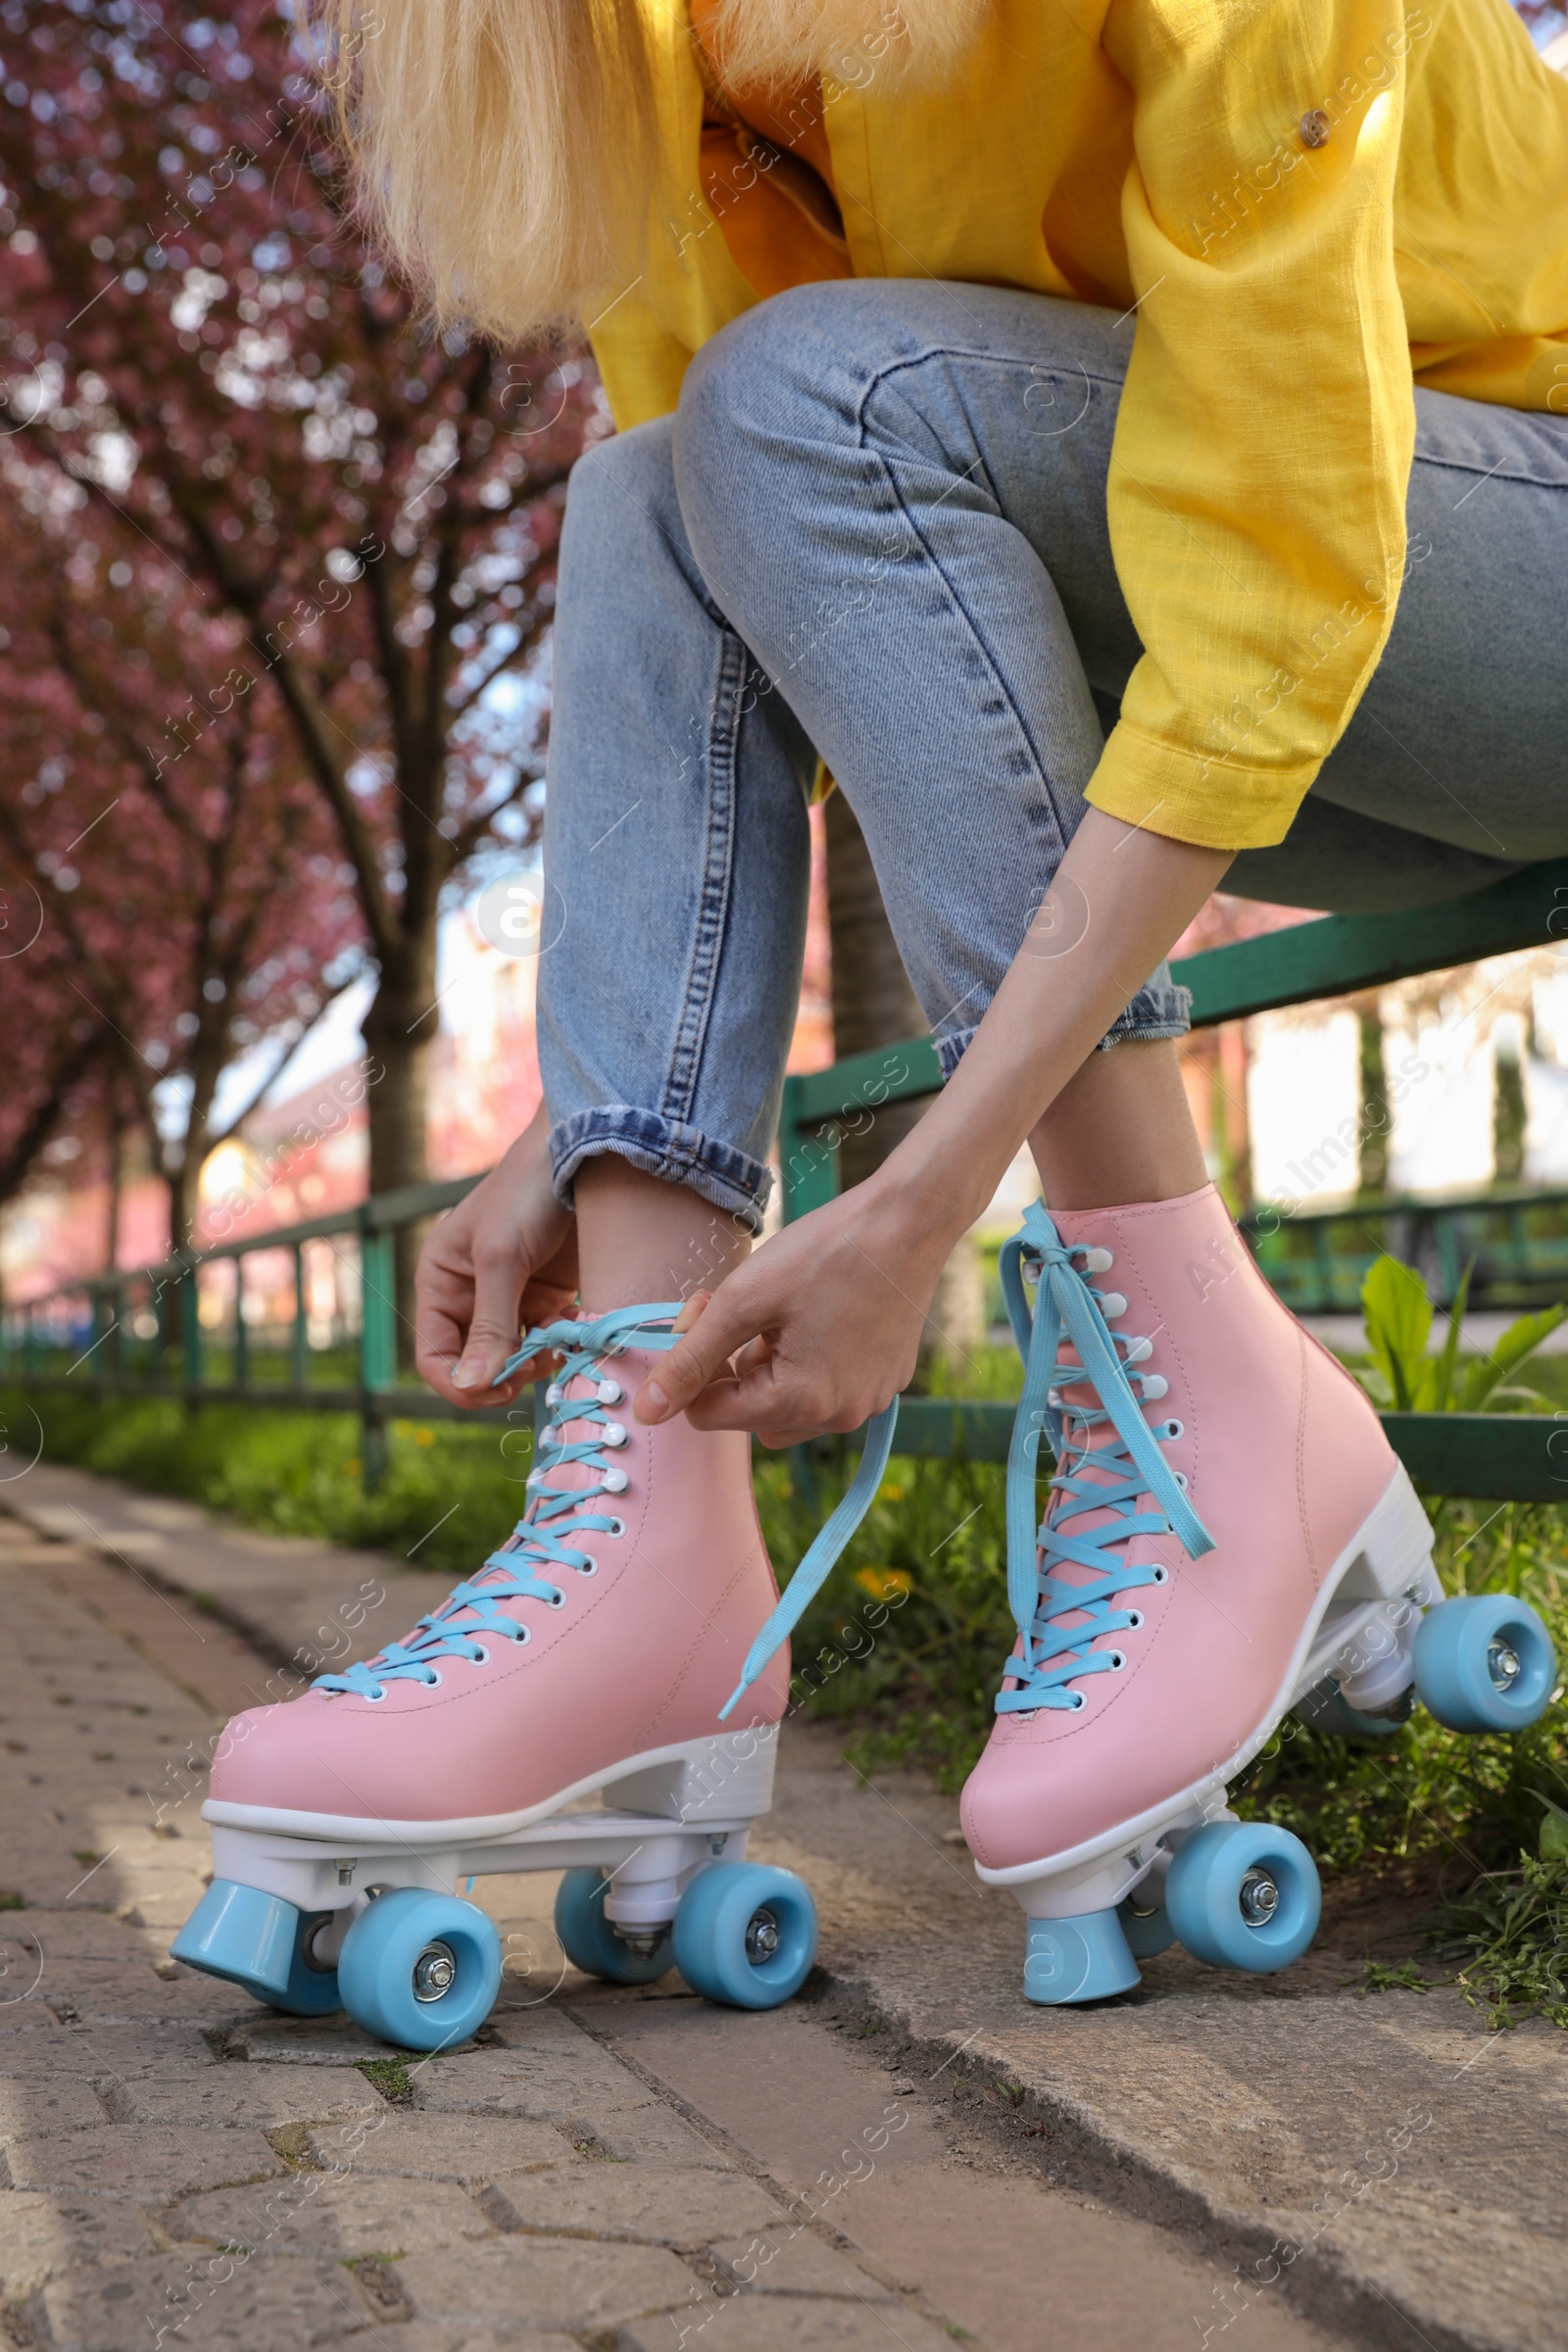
x=421, y=1969
x=1081, y=1959
x=1485, y=1663
x=590, y=1941
x=1243, y=1894
x=262, y=1942
x=746, y=1934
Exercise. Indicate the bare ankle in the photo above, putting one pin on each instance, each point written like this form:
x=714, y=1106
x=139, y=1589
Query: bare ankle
x=640, y=1238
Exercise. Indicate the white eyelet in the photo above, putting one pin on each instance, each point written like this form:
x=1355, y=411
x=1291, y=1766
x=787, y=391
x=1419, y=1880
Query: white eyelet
x=1079, y=1702
x=483, y=1657
x=559, y=1603
x=1161, y=1575
x=614, y=1435
x=373, y=1698
x=535, y=1478
x=1175, y=1430
x=618, y=1527
x=550, y=1437
x=611, y=1392
x=1181, y=1481
x=525, y=1634
x=615, y=1482
x=1135, y=1619
x=592, y=1569
x=434, y=1684
x=552, y=1392
x=1117, y=1660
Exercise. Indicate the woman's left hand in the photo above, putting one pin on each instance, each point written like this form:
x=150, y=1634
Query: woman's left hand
x=818, y=1330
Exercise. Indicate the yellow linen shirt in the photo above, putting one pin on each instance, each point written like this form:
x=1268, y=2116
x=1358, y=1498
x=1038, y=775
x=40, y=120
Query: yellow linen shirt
x=1311, y=203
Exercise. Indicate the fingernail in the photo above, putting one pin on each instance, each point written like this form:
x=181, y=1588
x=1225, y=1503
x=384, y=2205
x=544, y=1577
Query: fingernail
x=465, y=1376
x=653, y=1398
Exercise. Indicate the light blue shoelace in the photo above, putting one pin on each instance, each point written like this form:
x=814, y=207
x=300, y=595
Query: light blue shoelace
x=541, y=1539
x=1110, y=1479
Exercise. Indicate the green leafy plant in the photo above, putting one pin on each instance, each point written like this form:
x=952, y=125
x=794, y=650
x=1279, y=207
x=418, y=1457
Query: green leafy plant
x=1406, y=1377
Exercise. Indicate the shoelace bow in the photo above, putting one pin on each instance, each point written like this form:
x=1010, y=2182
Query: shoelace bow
x=541, y=1537
x=1110, y=1479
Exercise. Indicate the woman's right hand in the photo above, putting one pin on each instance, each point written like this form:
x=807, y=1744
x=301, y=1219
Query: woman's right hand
x=504, y=1258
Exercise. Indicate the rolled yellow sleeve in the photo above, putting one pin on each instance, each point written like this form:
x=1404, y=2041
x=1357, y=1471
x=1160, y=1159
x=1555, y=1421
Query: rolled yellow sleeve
x=1263, y=451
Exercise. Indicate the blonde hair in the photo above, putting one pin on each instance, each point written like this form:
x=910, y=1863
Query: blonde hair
x=503, y=148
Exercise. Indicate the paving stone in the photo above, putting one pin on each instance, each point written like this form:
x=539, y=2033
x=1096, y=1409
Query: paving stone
x=205, y=2302
x=266, y=2038
x=653, y=2133
x=42, y=2103
x=339, y=2213
x=653, y=2202
x=428, y=2336
x=793, y=2261
x=562, y=2079
x=101, y=1991
x=558, y=2283
x=42, y=2237
x=149, y=2167
x=107, y=2051
x=748, y=2323
x=264, y=2095
x=465, y=2148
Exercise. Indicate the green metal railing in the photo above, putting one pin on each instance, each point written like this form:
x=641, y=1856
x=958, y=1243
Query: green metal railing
x=1513, y=1245
x=1510, y=1457
x=142, y=1333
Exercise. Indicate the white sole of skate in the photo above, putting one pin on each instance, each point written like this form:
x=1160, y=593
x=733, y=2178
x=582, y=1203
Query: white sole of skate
x=1362, y=1629
x=662, y=1816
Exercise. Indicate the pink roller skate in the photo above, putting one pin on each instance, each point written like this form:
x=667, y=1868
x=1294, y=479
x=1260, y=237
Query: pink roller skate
x=1229, y=1536
x=589, y=1657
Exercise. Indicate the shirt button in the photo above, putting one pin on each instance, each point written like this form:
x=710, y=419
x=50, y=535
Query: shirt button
x=1315, y=128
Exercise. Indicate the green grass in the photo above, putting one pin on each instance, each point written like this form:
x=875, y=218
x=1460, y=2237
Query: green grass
x=904, y=1646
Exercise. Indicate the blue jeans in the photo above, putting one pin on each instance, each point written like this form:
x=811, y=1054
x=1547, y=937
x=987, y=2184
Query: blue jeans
x=875, y=530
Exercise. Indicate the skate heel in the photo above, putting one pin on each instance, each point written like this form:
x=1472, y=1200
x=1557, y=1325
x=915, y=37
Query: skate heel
x=1359, y=1670
x=728, y=1778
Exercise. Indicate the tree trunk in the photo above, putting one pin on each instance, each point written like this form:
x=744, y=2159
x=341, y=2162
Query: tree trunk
x=114, y=1144
x=1372, y=1086
x=398, y=1030
x=873, y=1004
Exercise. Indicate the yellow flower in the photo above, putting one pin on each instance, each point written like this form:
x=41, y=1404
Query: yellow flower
x=894, y=1493
x=425, y=1437
x=883, y=1583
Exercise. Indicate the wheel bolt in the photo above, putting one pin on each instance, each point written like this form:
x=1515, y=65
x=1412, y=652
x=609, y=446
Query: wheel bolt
x=1503, y=1663
x=1259, y=1898
x=762, y=1938
x=435, y=1971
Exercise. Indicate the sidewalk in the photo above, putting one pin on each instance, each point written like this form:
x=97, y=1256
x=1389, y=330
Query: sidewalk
x=600, y=2168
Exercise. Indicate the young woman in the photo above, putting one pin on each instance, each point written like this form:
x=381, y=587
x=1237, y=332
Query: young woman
x=1127, y=446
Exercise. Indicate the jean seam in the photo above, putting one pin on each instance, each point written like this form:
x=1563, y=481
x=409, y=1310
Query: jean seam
x=1001, y=683
x=718, y=863
x=1493, y=473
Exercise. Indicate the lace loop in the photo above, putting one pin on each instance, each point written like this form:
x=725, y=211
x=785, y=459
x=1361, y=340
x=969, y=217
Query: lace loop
x=541, y=1541
x=1108, y=1479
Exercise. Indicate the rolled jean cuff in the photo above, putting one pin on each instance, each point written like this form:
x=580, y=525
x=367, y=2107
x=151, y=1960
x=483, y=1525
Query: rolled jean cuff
x=731, y=1180
x=1160, y=1009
